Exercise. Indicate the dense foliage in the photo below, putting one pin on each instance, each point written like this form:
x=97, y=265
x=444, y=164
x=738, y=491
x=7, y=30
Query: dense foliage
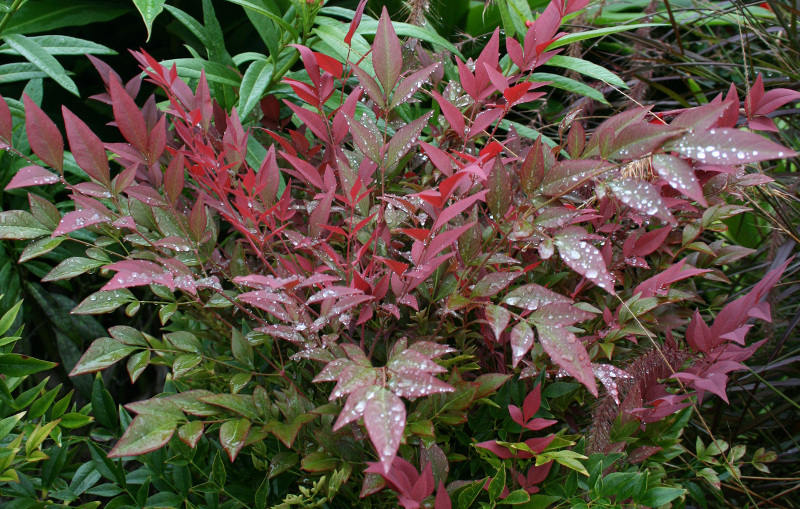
x=357, y=270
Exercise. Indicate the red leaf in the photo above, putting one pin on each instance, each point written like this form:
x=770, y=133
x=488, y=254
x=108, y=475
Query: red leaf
x=495, y=448
x=774, y=99
x=174, y=179
x=453, y=115
x=43, y=135
x=156, y=141
x=457, y=208
x=387, y=55
x=356, y=21
x=532, y=403
x=514, y=94
x=467, y=79
x=87, y=148
x=568, y=352
x=702, y=117
x=32, y=176
x=5, y=121
x=659, y=284
x=128, y=116
x=650, y=241
x=762, y=124
x=754, y=97
x=312, y=120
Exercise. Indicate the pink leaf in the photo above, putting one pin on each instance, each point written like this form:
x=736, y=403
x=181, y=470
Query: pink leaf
x=679, y=174
x=32, y=176
x=559, y=314
x=442, y=498
x=641, y=196
x=532, y=297
x=387, y=55
x=568, y=352
x=385, y=420
x=498, y=318
x=521, y=342
x=78, y=219
x=586, y=260
x=728, y=146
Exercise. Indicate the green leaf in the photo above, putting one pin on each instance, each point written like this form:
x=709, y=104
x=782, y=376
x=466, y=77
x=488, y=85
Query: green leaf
x=149, y=9
x=38, y=436
x=20, y=225
x=40, y=247
x=103, y=301
x=497, y=483
x=516, y=497
x=266, y=28
x=319, y=462
x=588, y=69
x=570, y=85
x=600, y=32
x=190, y=433
x=71, y=267
x=261, y=10
x=241, y=348
x=218, y=473
x=184, y=363
x=137, y=364
x=254, y=83
x=21, y=71
x=8, y=318
x=232, y=435
x=7, y=424
x=102, y=353
x=16, y=365
x=103, y=404
x=63, y=45
x=38, y=56
x=470, y=493
x=237, y=403
x=74, y=420
x=48, y=15
x=656, y=497
x=146, y=433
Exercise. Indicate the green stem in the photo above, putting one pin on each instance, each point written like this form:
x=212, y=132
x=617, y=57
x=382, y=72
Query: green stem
x=13, y=9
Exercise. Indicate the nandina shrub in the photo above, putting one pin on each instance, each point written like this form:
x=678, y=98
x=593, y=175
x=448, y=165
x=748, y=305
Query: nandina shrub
x=376, y=308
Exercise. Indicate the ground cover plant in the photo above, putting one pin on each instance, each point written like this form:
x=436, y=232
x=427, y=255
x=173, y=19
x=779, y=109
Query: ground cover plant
x=391, y=287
